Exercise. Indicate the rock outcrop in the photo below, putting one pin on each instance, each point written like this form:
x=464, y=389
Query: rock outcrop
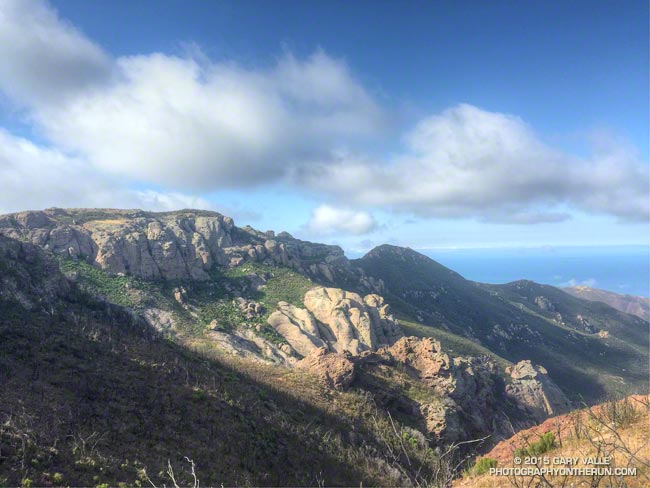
x=459, y=397
x=245, y=343
x=338, y=320
x=545, y=304
x=535, y=392
x=465, y=400
x=181, y=245
x=347, y=340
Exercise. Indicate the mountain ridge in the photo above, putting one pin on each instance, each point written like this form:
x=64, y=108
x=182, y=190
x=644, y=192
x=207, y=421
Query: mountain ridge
x=516, y=321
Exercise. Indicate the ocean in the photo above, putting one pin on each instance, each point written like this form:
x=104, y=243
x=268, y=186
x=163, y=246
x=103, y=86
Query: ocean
x=621, y=269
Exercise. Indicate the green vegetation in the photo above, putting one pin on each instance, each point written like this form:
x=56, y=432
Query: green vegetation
x=282, y=284
x=111, y=402
x=545, y=443
x=209, y=302
x=483, y=465
x=97, y=282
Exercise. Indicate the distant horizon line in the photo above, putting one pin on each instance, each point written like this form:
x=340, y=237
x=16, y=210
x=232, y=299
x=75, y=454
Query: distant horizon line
x=546, y=247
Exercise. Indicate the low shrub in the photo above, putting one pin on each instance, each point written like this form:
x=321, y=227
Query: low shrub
x=483, y=465
x=545, y=443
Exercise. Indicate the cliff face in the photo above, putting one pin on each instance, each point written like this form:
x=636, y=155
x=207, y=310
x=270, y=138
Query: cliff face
x=77, y=371
x=346, y=339
x=181, y=245
x=535, y=392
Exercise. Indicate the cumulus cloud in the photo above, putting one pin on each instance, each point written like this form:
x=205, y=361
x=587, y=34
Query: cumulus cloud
x=34, y=177
x=185, y=121
x=175, y=121
x=468, y=162
x=328, y=220
x=42, y=58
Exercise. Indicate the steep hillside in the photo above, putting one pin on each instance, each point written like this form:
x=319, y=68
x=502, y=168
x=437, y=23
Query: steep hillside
x=639, y=306
x=92, y=395
x=480, y=357
x=615, y=434
x=588, y=348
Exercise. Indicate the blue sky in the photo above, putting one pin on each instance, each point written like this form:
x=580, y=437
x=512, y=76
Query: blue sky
x=427, y=124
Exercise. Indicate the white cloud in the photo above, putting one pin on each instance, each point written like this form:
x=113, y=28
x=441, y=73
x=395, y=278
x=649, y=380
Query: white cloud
x=34, y=178
x=467, y=162
x=590, y=282
x=184, y=122
x=43, y=58
x=188, y=123
x=327, y=220
x=174, y=121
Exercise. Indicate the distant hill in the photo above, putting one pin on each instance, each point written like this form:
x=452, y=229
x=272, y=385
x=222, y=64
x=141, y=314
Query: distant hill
x=587, y=347
x=635, y=305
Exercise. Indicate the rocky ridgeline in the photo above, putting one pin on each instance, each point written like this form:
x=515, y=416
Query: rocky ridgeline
x=342, y=338
x=182, y=245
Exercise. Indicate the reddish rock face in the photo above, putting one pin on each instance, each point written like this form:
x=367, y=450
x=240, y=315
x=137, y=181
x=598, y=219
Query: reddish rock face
x=423, y=356
x=334, y=370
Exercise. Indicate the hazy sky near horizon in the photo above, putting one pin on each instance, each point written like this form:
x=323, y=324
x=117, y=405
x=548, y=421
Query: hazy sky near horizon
x=426, y=124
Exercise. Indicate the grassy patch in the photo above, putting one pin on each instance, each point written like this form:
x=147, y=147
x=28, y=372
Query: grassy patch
x=112, y=288
x=209, y=300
